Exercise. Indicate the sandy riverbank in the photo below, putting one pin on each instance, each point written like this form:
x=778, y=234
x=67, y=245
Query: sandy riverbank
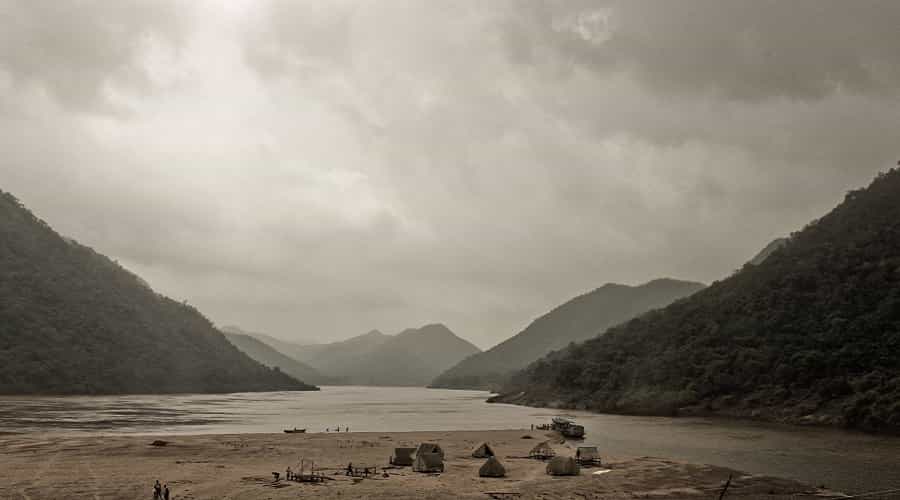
x=47, y=466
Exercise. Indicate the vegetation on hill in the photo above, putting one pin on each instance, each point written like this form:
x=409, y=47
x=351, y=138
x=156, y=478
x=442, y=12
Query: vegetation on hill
x=413, y=357
x=337, y=358
x=579, y=319
x=271, y=357
x=74, y=322
x=810, y=334
x=768, y=250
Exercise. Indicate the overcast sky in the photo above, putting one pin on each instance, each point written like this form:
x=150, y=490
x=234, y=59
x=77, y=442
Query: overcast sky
x=317, y=169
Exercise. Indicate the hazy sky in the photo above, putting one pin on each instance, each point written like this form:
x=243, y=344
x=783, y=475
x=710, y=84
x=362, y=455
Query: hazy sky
x=317, y=169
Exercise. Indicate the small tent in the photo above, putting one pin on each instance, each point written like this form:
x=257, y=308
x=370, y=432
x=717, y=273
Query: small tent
x=563, y=466
x=542, y=451
x=587, y=455
x=402, y=456
x=430, y=448
x=483, y=450
x=428, y=462
x=492, y=468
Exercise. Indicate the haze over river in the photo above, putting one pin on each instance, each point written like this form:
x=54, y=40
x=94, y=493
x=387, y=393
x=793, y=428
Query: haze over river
x=846, y=461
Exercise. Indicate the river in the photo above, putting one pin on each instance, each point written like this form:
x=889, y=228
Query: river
x=847, y=461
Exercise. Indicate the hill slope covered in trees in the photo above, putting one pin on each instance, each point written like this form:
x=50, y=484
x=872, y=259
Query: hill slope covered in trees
x=336, y=358
x=271, y=357
x=412, y=357
x=579, y=319
x=74, y=322
x=810, y=334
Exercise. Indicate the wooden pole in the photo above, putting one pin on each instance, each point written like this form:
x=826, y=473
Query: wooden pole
x=727, y=484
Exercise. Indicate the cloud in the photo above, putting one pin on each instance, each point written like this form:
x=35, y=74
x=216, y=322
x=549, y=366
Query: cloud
x=81, y=53
x=320, y=169
x=737, y=50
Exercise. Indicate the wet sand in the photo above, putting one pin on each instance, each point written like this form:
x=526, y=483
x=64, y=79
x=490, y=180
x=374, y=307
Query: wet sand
x=49, y=466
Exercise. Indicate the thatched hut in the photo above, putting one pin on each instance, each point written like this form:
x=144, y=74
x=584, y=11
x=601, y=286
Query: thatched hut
x=563, y=466
x=587, y=455
x=428, y=462
x=425, y=448
x=483, y=450
x=402, y=456
x=542, y=451
x=492, y=468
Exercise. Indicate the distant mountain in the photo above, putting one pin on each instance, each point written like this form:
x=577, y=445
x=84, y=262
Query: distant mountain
x=74, y=322
x=293, y=349
x=411, y=358
x=579, y=319
x=339, y=358
x=811, y=334
x=271, y=357
x=763, y=254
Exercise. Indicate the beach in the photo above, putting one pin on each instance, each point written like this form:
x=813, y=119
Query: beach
x=240, y=466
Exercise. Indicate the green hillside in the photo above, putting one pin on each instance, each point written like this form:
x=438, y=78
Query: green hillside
x=810, y=334
x=74, y=322
x=579, y=319
x=271, y=357
x=412, y=357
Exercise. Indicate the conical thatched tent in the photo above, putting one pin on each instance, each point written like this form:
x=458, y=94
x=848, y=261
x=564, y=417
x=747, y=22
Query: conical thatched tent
x=563, y=466
x=430, y=448
x=542, y=451
x=483, y=450
x=492, y=468
x=428, y=462
x=402, y=456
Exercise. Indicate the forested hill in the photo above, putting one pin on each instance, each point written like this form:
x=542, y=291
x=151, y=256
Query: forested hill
x=410, y=358
x=413, y=357
x=74, y=322
x=578, y=319
x=271, y=357
x=810, y=334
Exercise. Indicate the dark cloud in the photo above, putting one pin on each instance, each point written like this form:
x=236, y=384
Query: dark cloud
x=321, y=169
x=742, y=49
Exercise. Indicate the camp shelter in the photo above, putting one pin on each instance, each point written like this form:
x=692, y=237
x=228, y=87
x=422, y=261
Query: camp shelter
x=430, y=448
x=483, y=450
x=563, y=466
x=542, y=451
x=587, y=455
x=402, y=456
x=492, y=468
x=428, y=462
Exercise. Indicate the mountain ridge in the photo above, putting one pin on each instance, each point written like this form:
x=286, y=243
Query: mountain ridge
x=272, y=357
x=811, y=334
x=577, y=319
x=73, y=321
x=408, y=358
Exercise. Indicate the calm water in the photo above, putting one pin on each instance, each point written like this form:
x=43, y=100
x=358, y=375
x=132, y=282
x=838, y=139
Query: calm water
x=847, y=461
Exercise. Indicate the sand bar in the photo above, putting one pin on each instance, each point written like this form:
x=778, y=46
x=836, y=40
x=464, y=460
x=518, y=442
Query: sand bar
x=50, y=466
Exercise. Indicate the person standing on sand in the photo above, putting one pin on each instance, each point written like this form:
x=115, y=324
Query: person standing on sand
x=157, y=491
x=166, y=493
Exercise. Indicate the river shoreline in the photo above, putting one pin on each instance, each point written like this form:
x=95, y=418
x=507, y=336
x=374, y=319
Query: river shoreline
x=240, y=466
x=735, y=414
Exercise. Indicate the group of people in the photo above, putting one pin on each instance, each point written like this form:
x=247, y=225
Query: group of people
x=160, y=492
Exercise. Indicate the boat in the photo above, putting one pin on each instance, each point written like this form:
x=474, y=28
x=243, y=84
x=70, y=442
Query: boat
x=567, y=428
x=295, y=431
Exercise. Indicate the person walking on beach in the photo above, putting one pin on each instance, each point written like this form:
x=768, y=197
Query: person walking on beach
x=166, y=493
x=157, y=491
x=350, y=469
